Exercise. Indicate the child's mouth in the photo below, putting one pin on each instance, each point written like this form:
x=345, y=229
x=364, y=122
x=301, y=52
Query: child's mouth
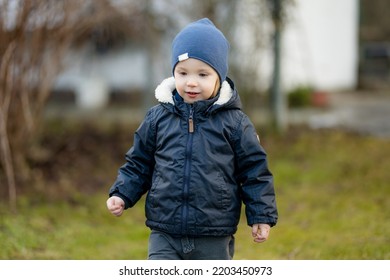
x=192, y=94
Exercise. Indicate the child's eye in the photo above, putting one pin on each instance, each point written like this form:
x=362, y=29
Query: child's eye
x=203, y=75
x=183, y=73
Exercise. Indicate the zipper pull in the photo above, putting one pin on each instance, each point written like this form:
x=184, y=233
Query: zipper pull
x=191, y=121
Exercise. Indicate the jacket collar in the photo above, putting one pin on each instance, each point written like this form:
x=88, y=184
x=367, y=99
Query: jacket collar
x=163, y=92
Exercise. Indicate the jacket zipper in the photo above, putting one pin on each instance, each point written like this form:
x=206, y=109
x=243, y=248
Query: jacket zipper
x=191, y=122
x=187, y=170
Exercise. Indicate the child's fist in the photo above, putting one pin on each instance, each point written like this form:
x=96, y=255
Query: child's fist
x=115, y=205
x=260, y=232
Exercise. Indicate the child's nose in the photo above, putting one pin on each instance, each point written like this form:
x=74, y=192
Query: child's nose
x=192, y=82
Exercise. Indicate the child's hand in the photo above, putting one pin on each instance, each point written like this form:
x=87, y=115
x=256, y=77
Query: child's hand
x=115, y=205
x=260, y=232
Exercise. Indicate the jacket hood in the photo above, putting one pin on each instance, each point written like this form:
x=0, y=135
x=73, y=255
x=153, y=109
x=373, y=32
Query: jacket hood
x=226, y=98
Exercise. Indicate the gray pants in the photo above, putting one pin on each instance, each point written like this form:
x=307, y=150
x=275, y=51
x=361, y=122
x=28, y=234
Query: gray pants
x=163, y=246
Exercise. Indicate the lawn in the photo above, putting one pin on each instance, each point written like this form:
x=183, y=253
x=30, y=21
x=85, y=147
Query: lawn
x=333, y=196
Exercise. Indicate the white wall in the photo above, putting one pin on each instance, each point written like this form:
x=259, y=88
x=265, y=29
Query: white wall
x=321, y=45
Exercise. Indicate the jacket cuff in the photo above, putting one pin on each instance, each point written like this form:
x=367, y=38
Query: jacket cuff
x=124, y=198
x=270, y=222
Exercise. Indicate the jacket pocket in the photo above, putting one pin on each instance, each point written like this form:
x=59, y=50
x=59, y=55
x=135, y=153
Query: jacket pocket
x=223, y=192
x=153, y=192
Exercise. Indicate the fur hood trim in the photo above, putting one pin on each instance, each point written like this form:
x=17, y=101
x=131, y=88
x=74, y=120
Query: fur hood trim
x=163, y=92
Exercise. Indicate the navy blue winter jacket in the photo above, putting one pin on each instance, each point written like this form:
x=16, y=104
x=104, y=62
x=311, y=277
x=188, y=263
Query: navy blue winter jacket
x=197, y=163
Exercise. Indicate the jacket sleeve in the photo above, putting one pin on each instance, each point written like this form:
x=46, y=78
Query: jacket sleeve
x=256, y=180
x=134, y=177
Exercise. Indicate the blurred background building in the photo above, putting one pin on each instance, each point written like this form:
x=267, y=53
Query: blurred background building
x=329, y=45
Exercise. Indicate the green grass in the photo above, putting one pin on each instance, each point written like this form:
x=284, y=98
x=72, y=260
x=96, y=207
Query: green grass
x=333, y=195
x=78, y=230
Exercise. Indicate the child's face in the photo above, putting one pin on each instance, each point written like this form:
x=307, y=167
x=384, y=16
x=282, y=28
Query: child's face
x=195, y=80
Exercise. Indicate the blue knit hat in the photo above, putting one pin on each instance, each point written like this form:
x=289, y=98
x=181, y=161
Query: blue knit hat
x=203, y=41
